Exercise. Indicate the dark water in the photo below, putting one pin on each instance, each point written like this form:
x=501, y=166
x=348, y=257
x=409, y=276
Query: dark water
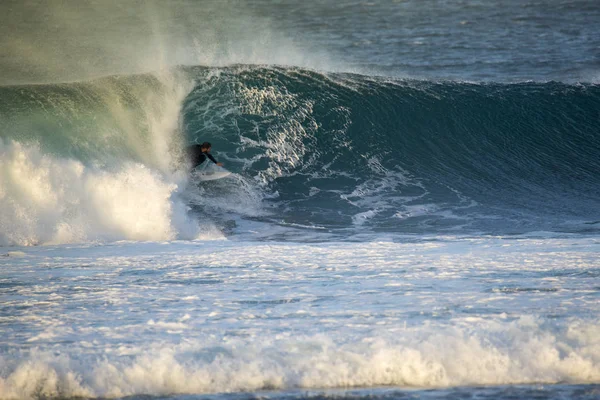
x=508, y=40
x=404, y=155
x=541, y=392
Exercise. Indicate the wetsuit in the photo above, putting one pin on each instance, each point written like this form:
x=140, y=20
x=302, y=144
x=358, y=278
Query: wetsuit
x=197, y=157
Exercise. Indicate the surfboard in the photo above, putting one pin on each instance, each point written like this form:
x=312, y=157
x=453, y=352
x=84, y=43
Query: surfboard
x=208, y=171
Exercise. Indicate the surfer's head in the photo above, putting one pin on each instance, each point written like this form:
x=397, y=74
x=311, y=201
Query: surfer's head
x=205, y=147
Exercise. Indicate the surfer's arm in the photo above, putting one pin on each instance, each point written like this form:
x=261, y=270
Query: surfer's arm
x=213, y=159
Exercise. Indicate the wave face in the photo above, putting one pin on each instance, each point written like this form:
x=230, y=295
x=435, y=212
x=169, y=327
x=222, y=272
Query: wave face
x=339, y=153
x=348, y=151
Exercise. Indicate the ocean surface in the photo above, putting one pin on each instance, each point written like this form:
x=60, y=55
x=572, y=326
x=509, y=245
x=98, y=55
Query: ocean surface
x=413, y=210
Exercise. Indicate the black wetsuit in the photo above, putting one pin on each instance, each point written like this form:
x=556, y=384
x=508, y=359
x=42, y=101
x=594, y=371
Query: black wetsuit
x=196, y=156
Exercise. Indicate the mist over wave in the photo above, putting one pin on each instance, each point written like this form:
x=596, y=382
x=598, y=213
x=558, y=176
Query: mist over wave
x=92, y=161
x=54, y=41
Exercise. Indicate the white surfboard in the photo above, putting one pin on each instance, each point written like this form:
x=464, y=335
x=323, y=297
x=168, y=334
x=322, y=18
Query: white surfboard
x=208, y=171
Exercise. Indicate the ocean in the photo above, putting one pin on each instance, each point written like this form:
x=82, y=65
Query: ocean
x=413, y=210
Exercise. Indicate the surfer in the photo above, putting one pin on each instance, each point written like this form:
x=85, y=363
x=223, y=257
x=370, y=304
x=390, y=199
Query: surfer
x=198, y=153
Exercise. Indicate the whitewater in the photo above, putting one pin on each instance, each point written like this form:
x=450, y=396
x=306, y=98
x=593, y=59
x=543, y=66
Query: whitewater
x=412, y=210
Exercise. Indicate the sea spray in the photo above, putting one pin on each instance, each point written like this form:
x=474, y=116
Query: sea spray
x=93, y=161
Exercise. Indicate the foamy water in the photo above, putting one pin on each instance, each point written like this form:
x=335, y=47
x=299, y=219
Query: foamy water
x=223, y=316
x=47, y=200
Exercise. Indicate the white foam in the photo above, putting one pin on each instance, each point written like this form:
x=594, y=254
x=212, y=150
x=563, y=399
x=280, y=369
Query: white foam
x=235, y=316
x=234, y=193
x=495, y=353
x=284, y=146
x=45, y=199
